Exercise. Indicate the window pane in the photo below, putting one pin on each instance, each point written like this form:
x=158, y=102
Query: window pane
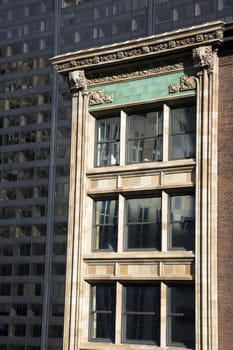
x=181, y=316
x=106, y=224
x=143, y=223
x=145, y=137
x=182, y=222
x=142, y=313
x=103, y=312
x=108, y=136
x=183, y=132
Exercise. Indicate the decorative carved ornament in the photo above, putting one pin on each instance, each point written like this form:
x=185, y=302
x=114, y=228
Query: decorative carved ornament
x=97, y=97
x=203, y=57
x=150, y=69
x=77, y=81
x=143, y=50
x=187, y=82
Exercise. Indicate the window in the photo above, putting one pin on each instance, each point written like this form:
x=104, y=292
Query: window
x=182, y=222
x=183, y=138
x=144, y=305
x=181, y=315
x=105, y=229
x=108, y=135
x=103, y=312
x=141, y=315
x=136, y=223
x=146, y=136
x=143, y=223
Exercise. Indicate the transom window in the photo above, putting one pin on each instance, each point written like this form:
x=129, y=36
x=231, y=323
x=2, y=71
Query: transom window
x=144, y=305
x=146, y=136
x=141, y=224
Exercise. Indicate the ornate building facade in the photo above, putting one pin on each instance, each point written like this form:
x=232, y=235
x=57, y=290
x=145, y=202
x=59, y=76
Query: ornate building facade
x=143, y=233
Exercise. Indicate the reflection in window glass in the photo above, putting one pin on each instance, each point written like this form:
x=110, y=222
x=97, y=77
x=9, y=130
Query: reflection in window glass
x=103, y=312
x=145, y=137
x=106, y=225
x=141, y=314
x=182, y=222
x=143, y=223
x=108, y=136
x=183, y=132
x=181, y=315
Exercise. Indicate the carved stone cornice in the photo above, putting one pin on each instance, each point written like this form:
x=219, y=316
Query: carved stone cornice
x=77, y=81
x=144, y=48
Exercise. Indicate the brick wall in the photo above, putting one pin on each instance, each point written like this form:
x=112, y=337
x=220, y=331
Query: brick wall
x=225, y=202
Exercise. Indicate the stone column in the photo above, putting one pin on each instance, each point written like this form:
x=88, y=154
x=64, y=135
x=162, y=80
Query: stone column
x=78, y=87
x=206, y=63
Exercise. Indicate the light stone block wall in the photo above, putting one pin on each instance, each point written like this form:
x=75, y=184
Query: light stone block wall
x=87, y=183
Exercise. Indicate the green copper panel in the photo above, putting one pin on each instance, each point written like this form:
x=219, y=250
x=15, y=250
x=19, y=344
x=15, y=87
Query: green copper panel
x=141, y=90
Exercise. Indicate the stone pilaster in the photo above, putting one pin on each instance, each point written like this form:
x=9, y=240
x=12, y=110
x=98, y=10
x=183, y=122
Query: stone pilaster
x=78, y=87
x=206, y=64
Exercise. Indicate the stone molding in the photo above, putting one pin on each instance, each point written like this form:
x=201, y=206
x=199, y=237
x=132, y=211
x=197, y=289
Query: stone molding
x=154, y=45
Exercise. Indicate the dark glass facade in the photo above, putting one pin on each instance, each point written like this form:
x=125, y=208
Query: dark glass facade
x=35, y=141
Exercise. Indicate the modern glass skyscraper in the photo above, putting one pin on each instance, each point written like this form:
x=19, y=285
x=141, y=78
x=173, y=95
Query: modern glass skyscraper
x=35, y=116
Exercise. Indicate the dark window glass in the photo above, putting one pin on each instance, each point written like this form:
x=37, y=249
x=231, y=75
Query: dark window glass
x=5, y=309
x=183, y=132
x=106, y=225
x=57, y=310
x=55, y=331
x=145, y=139
x=181, y=315
x=103, y=312
x=5, y=289
x=143, y=223
x=19, y=309
x=182, y=222
x=141, y=313
x=108, y=147
x=35, y=310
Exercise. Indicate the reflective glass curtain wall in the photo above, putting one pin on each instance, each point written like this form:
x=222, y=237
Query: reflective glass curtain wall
x=35, y=141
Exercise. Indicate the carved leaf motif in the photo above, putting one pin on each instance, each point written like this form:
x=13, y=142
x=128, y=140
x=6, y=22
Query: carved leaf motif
x=77, y=80
x=173, y=88
x=187, y=83
x=97, y=97
x=203, y=57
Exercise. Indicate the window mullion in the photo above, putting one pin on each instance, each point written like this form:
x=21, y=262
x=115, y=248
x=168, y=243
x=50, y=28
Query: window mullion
x=123, y=145
x=166, y=140
x=121, y=209
x=164, y=228
x=163, y=316
x=118, y=315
